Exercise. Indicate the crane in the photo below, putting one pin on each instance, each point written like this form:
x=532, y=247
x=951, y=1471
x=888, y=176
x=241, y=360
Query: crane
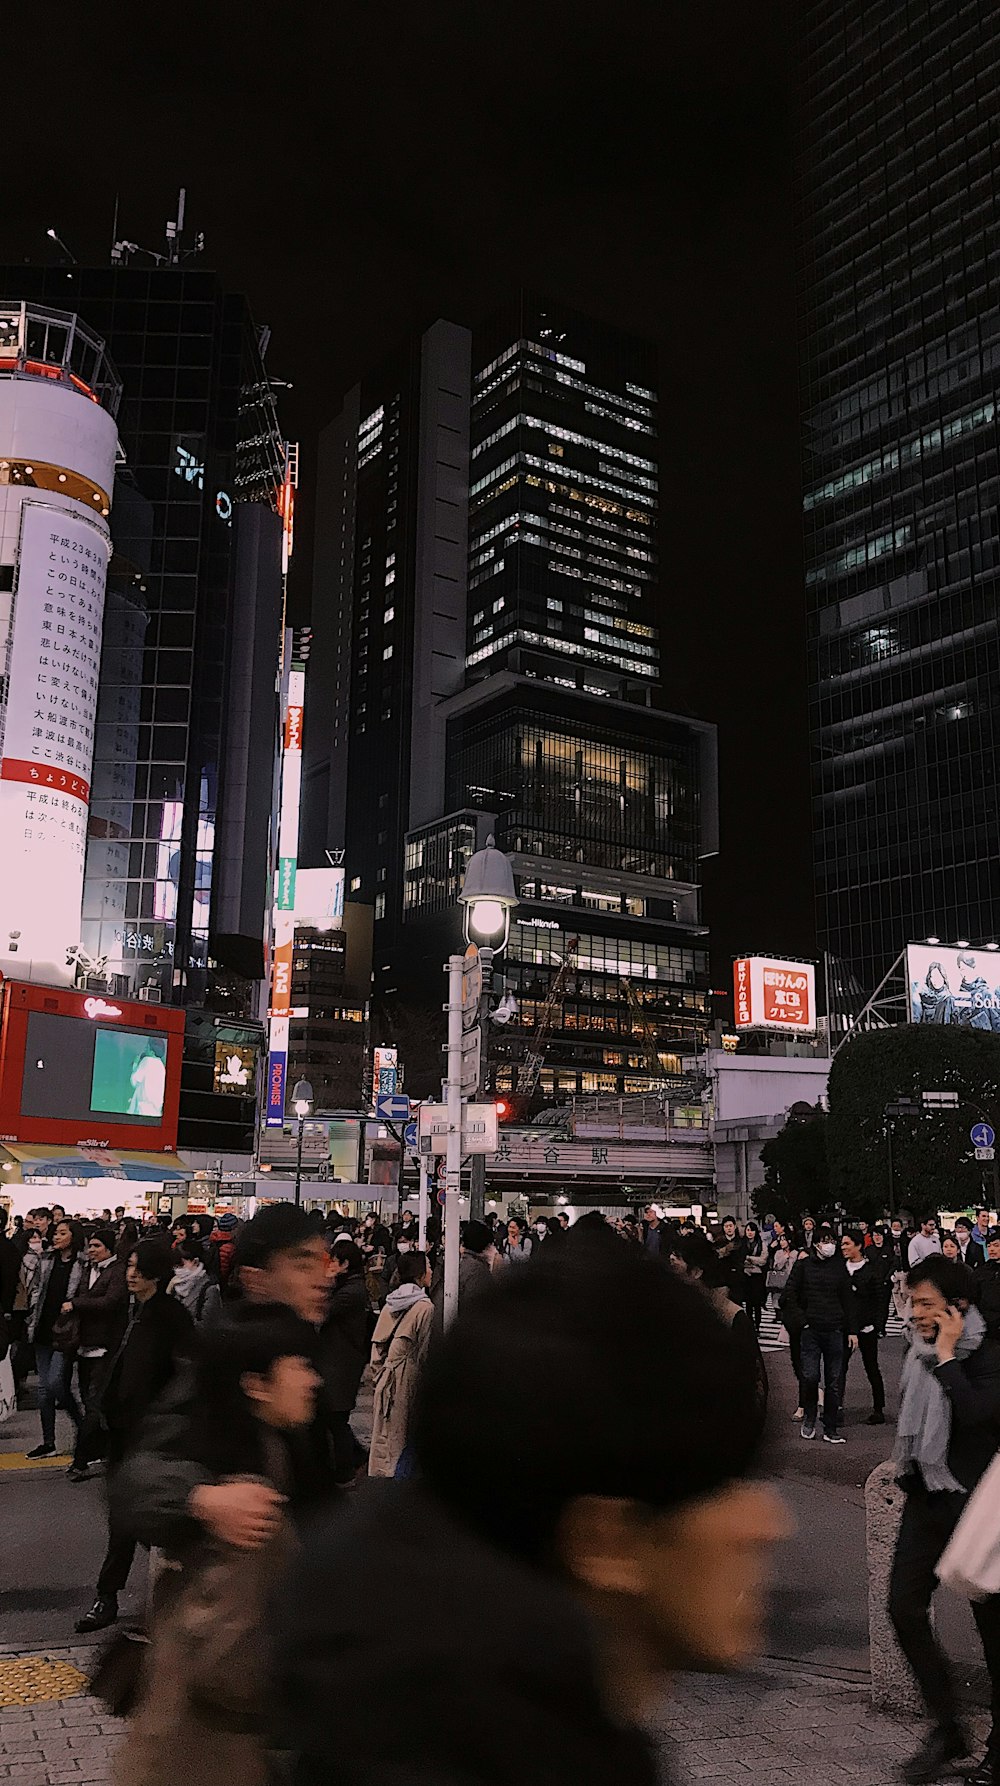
x=530, y=1068
x=646, y=1030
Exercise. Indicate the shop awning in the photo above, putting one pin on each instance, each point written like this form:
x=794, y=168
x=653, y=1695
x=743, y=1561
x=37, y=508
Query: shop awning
x=68, y=1165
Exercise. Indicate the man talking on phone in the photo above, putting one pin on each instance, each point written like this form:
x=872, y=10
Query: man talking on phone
x=947, y=1433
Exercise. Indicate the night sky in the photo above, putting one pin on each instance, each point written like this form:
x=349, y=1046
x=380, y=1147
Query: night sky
x=360, y=170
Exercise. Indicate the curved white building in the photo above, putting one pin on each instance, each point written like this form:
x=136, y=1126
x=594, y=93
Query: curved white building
x=58, y=444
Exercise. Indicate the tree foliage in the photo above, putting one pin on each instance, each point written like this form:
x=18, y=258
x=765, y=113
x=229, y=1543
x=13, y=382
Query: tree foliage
x=796, y=1181
x=932, y=1155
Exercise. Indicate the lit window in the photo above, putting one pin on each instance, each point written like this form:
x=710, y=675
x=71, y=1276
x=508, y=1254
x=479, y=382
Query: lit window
x=380, y=905
x=555, y=606
x=356, y=884
x=498, y=604
x=389, y=615
x=387, y=652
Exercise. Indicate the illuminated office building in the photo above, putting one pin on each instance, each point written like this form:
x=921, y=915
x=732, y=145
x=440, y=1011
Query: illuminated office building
x=900, y=349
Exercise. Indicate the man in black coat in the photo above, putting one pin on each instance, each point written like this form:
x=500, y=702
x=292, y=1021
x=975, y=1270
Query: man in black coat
x=101, y=1308
x=344, y=1350
x=10, y=1269
x=865, y=1283
x=159, y=1334
x=818, y=1305
x=988, y=1284
x=941, y=1292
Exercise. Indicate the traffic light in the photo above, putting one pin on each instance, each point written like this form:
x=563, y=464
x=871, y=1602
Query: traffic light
x=502, y=1109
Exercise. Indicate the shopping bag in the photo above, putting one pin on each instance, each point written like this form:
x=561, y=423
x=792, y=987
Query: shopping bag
x=971, y=1562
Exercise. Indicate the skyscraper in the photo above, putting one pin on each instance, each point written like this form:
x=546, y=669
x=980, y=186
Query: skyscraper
x=178, y=871
x=900, y=348
x=528, y=673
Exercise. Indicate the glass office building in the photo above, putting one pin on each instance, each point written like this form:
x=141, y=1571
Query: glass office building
x=900, y=359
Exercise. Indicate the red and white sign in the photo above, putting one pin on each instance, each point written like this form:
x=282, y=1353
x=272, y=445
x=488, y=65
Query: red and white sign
x=773, y=994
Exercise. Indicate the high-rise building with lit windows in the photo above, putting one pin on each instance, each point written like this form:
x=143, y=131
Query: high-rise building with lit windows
x=900, y=357
x=484, y=624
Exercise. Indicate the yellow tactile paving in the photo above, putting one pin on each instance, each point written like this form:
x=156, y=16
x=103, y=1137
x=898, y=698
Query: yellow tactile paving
x=19, y=1460
x=27, y=1680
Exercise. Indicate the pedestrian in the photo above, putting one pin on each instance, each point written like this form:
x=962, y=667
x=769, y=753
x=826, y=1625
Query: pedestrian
x=653, y=1232
x=162, y=1488
x=808, y=1233
x=880, y=1259
x=54, y=1282
x=948, y=1431
x=199, y=1717
x=100, y=1305
x=474, y=1275
x=970, y=1253
x=399, y=1347
x=694, y=1256
x=981, y=1231
x=10, y=1268
x=344, y=1349
x=159, y=1334
x=731, y=1249
x=866, y=1292
x=587, y=1536
x=779, y=1270
x=755, y=1263
x=192, y=1286
x=222, y=1247
x=818, y=1304
x=987, y=1279
x=924, y=1242
x=518, y=1248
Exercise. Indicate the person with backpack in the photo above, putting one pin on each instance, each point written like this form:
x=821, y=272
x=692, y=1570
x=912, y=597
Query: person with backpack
x=222, y=1246
x=192, y=1285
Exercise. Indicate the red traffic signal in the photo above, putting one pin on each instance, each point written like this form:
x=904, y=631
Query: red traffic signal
x=502, y=1108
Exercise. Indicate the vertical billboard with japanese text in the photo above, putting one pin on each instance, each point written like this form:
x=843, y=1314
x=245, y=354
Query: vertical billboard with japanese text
x=959, y=987
x=774, y=994
x=283, y=921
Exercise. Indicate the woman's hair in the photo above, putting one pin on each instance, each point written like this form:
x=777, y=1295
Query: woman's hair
x=76, y=1229
x=247, y=1341
x=154, y=1259
x=127, y=1238
x=412, y=1267
x=347, y=1252
x=191, y=1249
x=698, y=1254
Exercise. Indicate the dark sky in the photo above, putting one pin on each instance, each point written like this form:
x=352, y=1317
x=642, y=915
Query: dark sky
x=361, y=169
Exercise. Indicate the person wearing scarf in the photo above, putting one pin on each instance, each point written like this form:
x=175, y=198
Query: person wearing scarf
x=947, y=1433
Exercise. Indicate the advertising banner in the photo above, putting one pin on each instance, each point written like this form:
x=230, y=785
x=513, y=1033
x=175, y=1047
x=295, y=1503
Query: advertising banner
x=960, y=987
x=775, y=994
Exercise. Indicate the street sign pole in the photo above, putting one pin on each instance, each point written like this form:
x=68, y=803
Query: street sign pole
x=426, y=1165
x=453, y=1155
x=477, y=1182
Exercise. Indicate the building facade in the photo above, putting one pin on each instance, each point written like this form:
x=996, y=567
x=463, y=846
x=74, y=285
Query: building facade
x=900, y=353
x=484, y=618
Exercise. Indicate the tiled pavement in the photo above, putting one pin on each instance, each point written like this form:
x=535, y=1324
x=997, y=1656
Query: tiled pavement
x=776, y=1727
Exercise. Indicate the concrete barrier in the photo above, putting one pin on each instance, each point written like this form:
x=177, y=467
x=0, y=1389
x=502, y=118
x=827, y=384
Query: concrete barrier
x=893, y=1686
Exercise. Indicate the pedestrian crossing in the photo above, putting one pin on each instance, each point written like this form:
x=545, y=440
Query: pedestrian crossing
x=773, y=1337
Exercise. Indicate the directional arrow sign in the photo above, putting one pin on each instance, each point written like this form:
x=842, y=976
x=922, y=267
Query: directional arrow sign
x=410, y=1136
x=981, y=1135
x=394, y=1107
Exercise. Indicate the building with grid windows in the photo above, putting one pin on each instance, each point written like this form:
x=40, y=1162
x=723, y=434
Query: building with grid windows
x=488, y=535
x=177, y=874
x=900, y=360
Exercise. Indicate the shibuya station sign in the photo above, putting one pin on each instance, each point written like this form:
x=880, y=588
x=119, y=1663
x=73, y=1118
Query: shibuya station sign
x=774, y=994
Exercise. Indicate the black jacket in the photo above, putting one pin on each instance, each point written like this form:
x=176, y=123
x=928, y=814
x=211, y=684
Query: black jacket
x=159, y=1334
x=865, y=1288
x=10, y=1271
x=818, y=1295
x=972, y=1385
x=103, y=1311
x=345, y=1343
x=988, y=1295
x=391, y=1600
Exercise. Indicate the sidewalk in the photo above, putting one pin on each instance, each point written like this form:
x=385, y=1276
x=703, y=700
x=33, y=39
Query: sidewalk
x=776, y=1727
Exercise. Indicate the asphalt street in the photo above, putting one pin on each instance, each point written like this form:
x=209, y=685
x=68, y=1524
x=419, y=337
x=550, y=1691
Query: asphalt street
x=53, y=1540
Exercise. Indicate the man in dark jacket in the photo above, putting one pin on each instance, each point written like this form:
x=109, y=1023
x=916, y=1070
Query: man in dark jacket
x=865, y=1284
x=344, y=1350
x=10, y=1269
x=101, y=1308
x=159, y=1334
x=160, y=1493
x=988, y=1284
x=474, y=1274
x=818, y=1305
x=937, y=1478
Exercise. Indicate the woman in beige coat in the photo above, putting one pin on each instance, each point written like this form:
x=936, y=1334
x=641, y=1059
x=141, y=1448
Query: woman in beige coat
x=399, y=1345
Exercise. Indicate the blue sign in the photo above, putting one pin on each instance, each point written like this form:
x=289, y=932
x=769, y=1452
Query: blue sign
x=982, y=1135
x=394, y=1107
x=277, y=1068
x=410, y=1135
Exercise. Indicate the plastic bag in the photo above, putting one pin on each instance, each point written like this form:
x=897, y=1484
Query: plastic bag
x=970, y=1564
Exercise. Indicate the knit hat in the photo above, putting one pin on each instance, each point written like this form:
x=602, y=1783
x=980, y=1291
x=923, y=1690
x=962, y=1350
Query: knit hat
x=226, y=1222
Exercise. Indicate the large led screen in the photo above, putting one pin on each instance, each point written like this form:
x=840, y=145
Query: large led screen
x=75, y=1069
x=960, y=987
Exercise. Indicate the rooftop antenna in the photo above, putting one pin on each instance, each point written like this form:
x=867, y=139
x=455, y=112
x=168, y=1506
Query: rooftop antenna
x=55, y=237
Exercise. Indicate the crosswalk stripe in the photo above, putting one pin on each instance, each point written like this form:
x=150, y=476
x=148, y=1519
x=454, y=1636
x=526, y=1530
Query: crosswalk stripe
x=773, y=1337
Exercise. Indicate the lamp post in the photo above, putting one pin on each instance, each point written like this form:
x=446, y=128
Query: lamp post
x=302, y=1098
x=488, y=896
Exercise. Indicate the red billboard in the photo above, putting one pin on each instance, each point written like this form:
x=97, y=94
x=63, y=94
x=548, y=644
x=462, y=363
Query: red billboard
x=81, y=1068
x=774, y=994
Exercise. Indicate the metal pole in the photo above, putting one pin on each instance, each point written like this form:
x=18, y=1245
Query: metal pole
x=892, y=1190
x=453, y=1155
x=298, y=1164
x=477, y=1186
x=422, y=1203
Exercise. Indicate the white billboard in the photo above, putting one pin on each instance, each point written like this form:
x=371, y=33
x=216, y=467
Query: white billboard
x=774, y=994
x=955, y=986
x=319, y=898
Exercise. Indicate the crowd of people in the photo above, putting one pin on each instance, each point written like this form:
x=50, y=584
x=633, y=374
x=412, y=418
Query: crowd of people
x=565, y=1477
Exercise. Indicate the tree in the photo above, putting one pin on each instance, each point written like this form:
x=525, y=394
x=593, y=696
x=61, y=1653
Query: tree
x=933, y=1161
x=796, y=1179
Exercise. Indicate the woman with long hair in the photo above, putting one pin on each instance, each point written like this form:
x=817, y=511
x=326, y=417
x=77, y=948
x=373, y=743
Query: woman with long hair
x=55, y=1280
x=754, y=1273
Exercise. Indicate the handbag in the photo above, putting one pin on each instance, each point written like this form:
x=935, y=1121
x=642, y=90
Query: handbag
x=66, y=1333
x=970, y=1563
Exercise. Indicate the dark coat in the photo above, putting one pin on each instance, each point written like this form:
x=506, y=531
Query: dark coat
x=337, y=1645
x=474, y=1276
x=988, y=1295
x=345, y=1343
x=972, y=1386
x=865, y=1289
x=159, y=1335
x=818, y=1295
x=10, y=1271
x=103, y=1311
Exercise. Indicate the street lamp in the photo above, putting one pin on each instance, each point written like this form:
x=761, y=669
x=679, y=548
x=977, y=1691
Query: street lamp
x=488, y=897
x=302, y=1098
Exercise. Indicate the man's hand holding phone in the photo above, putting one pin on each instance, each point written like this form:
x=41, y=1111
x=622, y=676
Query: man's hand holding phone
x=948, y=1334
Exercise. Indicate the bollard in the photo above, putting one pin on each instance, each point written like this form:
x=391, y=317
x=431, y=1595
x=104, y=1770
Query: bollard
x=893, y=1686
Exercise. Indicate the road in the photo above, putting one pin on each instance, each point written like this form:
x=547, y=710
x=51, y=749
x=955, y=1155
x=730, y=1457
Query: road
x=54, y=1537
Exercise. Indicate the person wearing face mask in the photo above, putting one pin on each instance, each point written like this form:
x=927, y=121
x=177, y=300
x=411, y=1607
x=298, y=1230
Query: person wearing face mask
x=819, y=1306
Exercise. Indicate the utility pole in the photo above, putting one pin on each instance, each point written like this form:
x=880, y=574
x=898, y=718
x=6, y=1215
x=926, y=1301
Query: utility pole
x=453, y=1154
x=477, y=1186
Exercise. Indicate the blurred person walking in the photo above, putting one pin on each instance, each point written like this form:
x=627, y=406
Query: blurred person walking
x=191, y=1284
x=399, y=1347
x=53, y=1283
x=344, y=1349
x=204, y=1693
